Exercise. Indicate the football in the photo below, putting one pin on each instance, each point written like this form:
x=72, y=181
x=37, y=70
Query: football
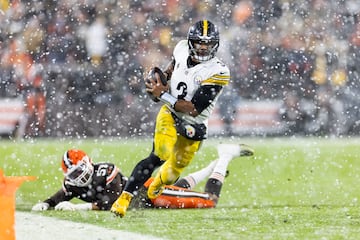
x=157, y=75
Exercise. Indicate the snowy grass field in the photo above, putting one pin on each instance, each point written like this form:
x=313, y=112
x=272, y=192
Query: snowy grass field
x=293, y=188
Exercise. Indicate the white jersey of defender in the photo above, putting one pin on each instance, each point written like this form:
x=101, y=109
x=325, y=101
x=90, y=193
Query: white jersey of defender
x=185, y=81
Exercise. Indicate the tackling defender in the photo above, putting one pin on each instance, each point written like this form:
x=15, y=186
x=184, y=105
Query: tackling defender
x=100, y=184
x=196, y=78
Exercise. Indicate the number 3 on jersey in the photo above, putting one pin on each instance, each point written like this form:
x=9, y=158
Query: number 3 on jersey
x=182, y=88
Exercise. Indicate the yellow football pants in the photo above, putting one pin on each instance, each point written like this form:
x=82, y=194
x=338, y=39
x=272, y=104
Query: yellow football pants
x=176, y=150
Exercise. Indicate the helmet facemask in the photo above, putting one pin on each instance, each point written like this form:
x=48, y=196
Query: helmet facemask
x=199, y=53
x=77, y=168
x=81, y=174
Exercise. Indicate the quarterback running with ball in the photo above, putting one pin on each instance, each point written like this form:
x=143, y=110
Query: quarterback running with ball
x=189, y=88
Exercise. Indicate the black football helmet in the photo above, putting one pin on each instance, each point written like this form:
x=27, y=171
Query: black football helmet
x=203, y=40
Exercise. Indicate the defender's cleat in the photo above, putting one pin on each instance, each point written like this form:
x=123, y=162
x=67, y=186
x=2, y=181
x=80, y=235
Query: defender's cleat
x=235, y=150
x=156, y=188
x=120, y=206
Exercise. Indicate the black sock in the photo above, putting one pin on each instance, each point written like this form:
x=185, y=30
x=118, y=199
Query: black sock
x=182, y=183
x=213, y=186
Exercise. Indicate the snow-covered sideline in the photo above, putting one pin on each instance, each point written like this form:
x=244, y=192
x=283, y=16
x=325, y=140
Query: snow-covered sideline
x=30, y=226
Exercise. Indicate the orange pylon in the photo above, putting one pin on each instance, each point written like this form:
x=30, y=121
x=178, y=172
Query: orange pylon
x=8, y=187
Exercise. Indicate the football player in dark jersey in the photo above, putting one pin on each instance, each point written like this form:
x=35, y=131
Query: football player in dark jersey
x=100, y=184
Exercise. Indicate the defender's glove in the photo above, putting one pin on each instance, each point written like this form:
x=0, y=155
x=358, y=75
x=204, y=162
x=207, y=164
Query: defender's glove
x=41, y=206
x=68, y=206
x=157, y=75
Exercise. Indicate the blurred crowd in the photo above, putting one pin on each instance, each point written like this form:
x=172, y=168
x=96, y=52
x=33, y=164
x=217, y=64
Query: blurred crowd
x=79, y=64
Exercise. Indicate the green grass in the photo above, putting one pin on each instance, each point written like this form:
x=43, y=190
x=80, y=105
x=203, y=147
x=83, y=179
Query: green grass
x=293, y=188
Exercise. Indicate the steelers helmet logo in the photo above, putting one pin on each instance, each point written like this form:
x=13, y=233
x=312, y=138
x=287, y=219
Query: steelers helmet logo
x=190, y=131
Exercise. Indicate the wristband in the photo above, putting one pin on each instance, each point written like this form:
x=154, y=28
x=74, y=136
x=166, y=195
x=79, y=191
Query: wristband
x=168, y=99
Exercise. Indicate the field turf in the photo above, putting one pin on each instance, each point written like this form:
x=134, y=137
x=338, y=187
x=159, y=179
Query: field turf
x=293, y=188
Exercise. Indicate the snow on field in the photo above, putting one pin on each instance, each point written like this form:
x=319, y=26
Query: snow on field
x=29, y=226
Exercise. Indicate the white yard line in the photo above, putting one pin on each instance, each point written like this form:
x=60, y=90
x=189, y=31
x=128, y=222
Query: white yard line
x=30, y=226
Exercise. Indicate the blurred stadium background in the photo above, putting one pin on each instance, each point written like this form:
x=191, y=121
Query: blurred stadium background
x=74, y=68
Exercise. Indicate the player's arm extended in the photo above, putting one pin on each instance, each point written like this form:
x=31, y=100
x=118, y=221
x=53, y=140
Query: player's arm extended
x=58, y=197
x=52, y=201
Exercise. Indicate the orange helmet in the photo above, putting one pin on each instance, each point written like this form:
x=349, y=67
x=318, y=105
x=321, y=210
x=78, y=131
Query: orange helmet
x=77, y=167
